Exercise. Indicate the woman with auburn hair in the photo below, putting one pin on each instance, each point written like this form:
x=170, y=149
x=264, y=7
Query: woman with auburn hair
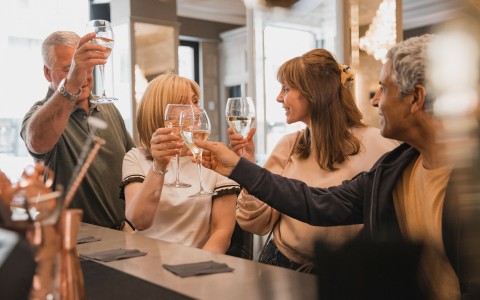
x=334, y=146
x=167, y=213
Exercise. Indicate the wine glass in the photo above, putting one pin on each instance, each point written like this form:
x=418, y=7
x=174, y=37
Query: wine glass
x=172, y=120
x=195, y=125
x=104, y=37
x=240, y=114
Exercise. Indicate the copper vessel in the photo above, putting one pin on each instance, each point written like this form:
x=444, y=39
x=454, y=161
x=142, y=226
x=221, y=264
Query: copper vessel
x=71, y=275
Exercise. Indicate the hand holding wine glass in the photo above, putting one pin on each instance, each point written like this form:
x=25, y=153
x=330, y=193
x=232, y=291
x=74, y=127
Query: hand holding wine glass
x=195, y=125
x=104, y=37
x=244, y=147
x=172, y=120
x=163, y=147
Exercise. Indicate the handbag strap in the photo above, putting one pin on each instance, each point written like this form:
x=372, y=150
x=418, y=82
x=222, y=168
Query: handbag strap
x=292, y=150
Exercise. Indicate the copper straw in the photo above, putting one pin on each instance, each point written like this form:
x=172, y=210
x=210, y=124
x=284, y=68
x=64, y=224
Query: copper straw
x=71, y=275
x=99, y=142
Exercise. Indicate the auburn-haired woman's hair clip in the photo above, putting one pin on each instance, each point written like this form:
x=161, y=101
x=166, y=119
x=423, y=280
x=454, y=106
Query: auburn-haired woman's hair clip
x=346, y=74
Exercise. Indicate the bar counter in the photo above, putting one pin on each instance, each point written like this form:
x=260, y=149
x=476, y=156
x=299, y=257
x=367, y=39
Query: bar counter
x=249, y=280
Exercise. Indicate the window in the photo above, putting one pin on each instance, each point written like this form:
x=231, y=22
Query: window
x=277, y=38
x=20, y=43
x=188, y=60
x=234, y=91
x=279, y=35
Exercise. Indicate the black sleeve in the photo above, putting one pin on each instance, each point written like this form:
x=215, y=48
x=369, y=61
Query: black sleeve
x=128, y=180
x=340, y=205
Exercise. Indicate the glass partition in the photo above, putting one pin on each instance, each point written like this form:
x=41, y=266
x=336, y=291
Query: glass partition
x=142, y=52
x=279, y=35
x=155, y=49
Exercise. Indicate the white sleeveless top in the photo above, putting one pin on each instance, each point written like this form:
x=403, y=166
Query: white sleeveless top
x=179, y=219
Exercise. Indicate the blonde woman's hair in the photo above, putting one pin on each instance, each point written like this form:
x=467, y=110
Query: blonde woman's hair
x=164, y=89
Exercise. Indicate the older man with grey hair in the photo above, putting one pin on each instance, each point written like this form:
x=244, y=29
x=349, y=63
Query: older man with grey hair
x=56, y=128
x=402, y=198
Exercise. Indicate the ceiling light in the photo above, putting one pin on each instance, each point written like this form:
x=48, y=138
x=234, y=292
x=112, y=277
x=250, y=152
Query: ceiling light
x=382, y=32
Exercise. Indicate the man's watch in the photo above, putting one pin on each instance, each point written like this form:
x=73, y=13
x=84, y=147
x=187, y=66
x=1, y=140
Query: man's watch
x=62, y=91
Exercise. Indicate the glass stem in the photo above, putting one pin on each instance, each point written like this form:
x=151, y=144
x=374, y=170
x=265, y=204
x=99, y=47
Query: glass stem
x=199, y=165
x=102, y=78
x=177, y=177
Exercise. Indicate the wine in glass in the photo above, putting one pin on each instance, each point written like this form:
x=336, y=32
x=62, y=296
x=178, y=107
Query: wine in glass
x=240, y=114
x=195, y=125
x=172, y=120
x=104, y=37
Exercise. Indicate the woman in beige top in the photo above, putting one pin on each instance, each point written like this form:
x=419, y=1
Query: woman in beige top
x=335, y=146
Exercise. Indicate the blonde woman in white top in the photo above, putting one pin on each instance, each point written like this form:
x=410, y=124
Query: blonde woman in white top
x=168, y=213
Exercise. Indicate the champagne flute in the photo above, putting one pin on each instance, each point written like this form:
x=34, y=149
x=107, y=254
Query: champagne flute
x=240, y=114
x=172, y=120
x=195, y=125
x=104, y=37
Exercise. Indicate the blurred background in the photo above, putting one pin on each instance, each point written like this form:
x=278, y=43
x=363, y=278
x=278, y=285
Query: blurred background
x=230, y=47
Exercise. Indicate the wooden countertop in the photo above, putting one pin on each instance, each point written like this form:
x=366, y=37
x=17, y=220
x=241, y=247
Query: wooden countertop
x=249, y=280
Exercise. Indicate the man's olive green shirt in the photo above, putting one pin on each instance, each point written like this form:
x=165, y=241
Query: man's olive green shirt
x=98, y=194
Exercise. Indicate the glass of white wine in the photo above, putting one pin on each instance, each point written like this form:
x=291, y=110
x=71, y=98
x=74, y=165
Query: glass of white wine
x=240, y=114
x=172, y=120
x=104, y=37
x=195, y=125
